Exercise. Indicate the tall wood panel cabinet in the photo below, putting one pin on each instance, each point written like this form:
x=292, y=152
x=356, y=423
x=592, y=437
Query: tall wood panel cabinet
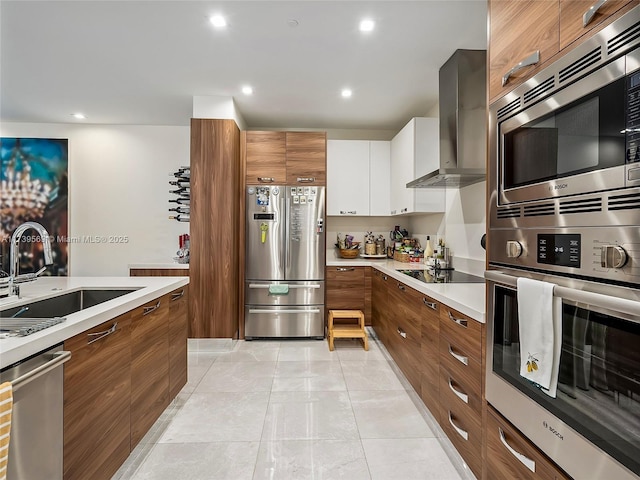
x=216, y=193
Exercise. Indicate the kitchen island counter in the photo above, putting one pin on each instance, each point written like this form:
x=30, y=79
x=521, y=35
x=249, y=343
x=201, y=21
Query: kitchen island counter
x=14, y=349
x=467, y=298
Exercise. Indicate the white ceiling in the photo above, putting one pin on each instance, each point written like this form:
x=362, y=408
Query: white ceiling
x=141, y=62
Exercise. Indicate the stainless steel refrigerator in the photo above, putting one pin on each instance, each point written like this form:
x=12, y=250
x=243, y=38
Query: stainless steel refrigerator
x=285, y=258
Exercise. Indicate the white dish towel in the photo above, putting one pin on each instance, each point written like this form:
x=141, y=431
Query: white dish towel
x=540, y=328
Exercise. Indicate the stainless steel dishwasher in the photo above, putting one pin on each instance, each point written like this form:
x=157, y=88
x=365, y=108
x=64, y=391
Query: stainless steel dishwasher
x=35, y=448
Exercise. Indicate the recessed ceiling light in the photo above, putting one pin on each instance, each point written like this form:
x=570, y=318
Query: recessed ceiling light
x=218, y=21
x=346, y=92
x=79, y=116
x=247, y=90
x=367, y=25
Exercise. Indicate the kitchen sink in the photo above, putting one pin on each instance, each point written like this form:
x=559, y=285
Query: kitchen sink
x=64, y=304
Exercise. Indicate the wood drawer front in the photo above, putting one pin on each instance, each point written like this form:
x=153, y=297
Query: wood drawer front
x=403, y=310
x=453, y=391
x=470, y=448
x=406, y=353
x=430, y=393
x=149, y=366
x=306, y=157
x=468, y=374
x=430, y=350
x=265, y=157
x=502, y=464
x=97, y=392
x=178, y=333
x=345, y=288
x=464, y=331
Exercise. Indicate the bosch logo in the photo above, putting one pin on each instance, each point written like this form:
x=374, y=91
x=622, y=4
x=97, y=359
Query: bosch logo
x=545, y=424
x=559, y=186
x=552, y=430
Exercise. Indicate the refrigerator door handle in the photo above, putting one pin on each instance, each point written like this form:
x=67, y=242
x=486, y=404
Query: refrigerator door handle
x=266, y=285
x=264, y=310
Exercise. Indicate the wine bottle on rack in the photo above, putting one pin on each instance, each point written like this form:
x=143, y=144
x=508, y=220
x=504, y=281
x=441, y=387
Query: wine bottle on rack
x=181, y=191
x=179, y=218
x=180, y=183
x=180, y=210
x=181, y=201
x=182, y=174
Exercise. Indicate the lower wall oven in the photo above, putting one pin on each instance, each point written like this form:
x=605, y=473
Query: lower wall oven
x=592, y=428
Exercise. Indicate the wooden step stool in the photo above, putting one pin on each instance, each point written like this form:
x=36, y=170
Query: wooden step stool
x=347, y=330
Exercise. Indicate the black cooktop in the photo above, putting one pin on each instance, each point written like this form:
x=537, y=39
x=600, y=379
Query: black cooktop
x=442, y=276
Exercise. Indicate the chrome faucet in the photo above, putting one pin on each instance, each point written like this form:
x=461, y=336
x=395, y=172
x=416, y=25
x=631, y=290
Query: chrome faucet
x=14, y=261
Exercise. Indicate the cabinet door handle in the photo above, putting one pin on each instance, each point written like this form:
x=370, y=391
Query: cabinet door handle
x=462, y=396
x=176, y=295
x=384, y=277
x=460, y=358
x=402, y=333
x=525, y=62
x=348, y=212
x=593, y=9
x=401, y=287
x=526, y=461
x=432, y=305
x=343, y=269
x=393, y=212
x=266, y=179
x=153, y=308
x=404, y=210
x=100, y=335
x=306, y=179
x=463, y=433
x=460, y=321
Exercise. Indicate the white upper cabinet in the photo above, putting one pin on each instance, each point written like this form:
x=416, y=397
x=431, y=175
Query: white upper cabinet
x=415, y=151
x=379, y=185
x=358, y=177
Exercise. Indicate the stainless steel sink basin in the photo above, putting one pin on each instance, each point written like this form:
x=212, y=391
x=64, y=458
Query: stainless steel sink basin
x=64, y=304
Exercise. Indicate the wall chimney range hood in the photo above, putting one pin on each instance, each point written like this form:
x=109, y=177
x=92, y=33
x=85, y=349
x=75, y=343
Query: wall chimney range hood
x=463, y=122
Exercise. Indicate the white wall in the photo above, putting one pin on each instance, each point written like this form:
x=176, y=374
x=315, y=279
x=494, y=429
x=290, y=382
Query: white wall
x=118, y=186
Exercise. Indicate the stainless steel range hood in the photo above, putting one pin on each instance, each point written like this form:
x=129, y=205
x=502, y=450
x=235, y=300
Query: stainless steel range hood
x=463, y=122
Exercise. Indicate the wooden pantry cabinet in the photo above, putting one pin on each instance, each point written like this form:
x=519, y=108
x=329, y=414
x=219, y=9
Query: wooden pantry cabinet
x=121, y=376
x=518, y=29
x=285, y=158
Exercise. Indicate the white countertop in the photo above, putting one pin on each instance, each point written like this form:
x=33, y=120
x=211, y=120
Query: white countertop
x=467, y=298
x=162, y=266
x=13, y=349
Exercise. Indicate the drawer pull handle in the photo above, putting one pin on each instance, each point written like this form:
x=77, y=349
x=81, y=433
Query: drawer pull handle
x=175, y=296
x=525, y=62
x=401, y=287
x=100, y=335
x=462, y=396
x=402, y=333
x=342, y=269
x=460, y=321
x=460, y=358
x=306, y=179
x=432, y=305
x=463, y=433
x=266, y=179
x=385, y=278
x=153, y=308
x=589, y=14
x=348, y=212
x=526, y=461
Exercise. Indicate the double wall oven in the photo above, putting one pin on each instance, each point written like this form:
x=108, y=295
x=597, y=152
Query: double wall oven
x=564, y=177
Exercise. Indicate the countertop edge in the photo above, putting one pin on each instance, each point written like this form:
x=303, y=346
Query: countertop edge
x=14, y=349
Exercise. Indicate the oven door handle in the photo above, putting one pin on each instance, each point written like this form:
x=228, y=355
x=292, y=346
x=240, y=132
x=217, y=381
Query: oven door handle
x=614, y=304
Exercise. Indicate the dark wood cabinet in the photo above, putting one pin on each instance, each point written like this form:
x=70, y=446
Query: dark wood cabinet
x=510, y=455
x=158, y=272
x=266, y=160
x=149, y=365
x=430, y=350
x=97, y=394
x=178, y=331
x=306, y=158
x=345, y=289
x=379, y=304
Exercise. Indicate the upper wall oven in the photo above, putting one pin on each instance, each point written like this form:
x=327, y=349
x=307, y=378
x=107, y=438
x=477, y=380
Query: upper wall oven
x=572, y=132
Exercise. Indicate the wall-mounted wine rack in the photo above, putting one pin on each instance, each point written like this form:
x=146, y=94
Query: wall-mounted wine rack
x=181, y=188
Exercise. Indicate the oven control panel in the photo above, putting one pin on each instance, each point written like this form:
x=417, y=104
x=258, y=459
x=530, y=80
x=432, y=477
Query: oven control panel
x=600, y=253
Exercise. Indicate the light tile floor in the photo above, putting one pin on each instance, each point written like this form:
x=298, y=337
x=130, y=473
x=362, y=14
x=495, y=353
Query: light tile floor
x=293, y=410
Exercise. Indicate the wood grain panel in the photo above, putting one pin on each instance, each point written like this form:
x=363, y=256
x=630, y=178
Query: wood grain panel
x=345, y=288
x=518, y=28
x=265, y=157
x=178, y=331
x=149, y=366
x=572, y=11
x=97, y=393
x=242, y=199
x=430, y=351
x=471, y=448
x=502, y=465
x=215, y=225
x=379, y=302
x=367, y=295
x=468, y=338
x=306, y=157
x=469, y=375
x=158, y=272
